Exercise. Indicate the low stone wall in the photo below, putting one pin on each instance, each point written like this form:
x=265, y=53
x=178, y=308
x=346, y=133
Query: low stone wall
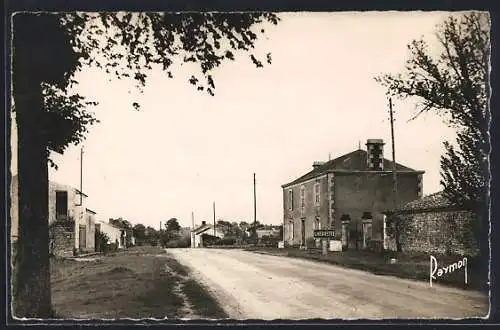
x=439, y=231
x=62, y=240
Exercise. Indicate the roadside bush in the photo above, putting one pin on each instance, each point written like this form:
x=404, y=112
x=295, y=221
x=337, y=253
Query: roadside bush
x=310, y=242
x=374, y=245
x=101, y=241
x=111, y=247
x=183, y=242
x=210, y=239
x=227, y=241
x=270, y=240
x=153, y=242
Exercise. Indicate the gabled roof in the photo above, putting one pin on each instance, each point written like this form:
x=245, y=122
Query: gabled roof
x=203, y=228
x=351, y=162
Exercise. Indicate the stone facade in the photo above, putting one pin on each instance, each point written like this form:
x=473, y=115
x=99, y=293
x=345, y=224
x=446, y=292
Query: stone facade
x=349, y=194
x=62, y=240
x=301, y=209
x=365, y=196
x=432, y=225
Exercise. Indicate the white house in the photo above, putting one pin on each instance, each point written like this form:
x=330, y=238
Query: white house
x=204, y=228
x=114, y=233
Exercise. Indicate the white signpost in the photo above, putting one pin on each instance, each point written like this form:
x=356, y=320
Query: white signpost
x=325, y=235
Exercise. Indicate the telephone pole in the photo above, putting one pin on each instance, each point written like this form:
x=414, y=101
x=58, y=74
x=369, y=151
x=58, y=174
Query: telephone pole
x=394, y=174
x=192, y=232
x=254, y=205
x=396, y=222
x=214, y=220
x=81, y=176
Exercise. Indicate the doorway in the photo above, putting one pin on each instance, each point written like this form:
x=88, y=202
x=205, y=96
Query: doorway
x=303, y=232
x=82, y=238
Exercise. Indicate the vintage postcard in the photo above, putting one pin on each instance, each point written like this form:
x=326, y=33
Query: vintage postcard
x=250, y=165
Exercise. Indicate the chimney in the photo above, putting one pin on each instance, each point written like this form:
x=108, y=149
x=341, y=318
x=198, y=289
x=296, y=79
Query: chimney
x=375, y=154
x=317, y=164
x=203, y=223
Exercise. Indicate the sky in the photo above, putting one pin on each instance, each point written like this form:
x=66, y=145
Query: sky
x=186, y=149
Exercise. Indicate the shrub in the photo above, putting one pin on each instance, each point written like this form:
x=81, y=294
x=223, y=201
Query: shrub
x=101, y=241
x=112, y=247
x=183, y=242
x=153, y=242
x=310, y=242
x=227, y=241
x=375, y=245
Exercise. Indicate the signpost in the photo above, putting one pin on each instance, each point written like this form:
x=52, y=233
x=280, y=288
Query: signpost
x=325, y=235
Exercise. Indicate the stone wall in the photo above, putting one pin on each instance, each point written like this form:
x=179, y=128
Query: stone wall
x=62, y=240
x=439, y=231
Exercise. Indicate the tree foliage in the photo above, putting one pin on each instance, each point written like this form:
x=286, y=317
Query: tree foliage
x=129, y=45
x=455, y=85
x=139, y=231
x=172, y=225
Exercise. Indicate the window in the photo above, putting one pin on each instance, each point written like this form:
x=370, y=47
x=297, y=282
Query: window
x=316, y=224
x=61, y=204
x=290, y=200
x=317, y=193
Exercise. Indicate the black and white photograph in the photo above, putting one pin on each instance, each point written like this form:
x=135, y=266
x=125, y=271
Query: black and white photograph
x=211, y=166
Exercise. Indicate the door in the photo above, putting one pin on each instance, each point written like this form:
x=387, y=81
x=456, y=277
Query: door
x=83, y=238
x=303, y=232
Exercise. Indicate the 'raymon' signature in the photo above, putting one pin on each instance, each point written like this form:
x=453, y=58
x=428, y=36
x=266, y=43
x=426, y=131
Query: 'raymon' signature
x=440, y=271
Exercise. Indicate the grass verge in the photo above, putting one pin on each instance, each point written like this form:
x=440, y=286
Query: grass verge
x=141, y=283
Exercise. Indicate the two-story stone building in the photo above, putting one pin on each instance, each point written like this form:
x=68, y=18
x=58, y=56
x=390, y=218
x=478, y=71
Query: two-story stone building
x=348, y=194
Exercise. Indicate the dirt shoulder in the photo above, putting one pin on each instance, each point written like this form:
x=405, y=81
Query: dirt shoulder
x=414, y=266
x=140, y=283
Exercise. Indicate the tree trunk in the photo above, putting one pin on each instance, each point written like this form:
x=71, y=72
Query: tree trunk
x=31, y=293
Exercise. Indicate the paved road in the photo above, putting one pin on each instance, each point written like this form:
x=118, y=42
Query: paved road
x=258, y=286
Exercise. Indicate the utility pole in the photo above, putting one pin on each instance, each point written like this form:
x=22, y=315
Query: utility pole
x=254, y=205
x=214, y=221
x=192, y=232
x=394, y=179
x=394, y=174
x=81, y=176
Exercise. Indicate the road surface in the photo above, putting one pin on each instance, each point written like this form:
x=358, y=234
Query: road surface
x=256, y=286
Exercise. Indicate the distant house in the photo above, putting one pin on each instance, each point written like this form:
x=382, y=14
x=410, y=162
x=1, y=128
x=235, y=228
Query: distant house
x=349, y=195
x=204, y=228
x=269, y=231
x=114, y=233
x=72, y=224
x=126, y=231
